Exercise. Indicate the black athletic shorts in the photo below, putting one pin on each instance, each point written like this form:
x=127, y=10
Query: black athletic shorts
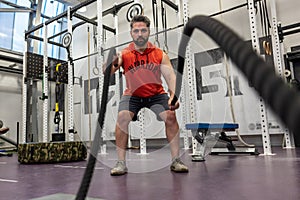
x=157, y=104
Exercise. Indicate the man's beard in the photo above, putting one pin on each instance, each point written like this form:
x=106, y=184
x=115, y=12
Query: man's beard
x=140, y=43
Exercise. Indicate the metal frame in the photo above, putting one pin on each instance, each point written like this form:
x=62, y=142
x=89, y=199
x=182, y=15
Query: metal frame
x=262, y=107
x=183, y=104
x=190, y=98
x=278, y=58
x=70, y=82
x=100, y=63
x=45, y=86
x=45, y=39
x=24, y=96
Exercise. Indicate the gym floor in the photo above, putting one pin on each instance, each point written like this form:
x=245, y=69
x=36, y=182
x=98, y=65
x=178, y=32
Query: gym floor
x=222, y=177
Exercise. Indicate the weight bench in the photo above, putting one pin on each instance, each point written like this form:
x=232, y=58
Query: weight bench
x=202, y=132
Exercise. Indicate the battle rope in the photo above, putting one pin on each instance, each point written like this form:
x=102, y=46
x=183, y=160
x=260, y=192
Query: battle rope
x=86, y=180
x=282, y=99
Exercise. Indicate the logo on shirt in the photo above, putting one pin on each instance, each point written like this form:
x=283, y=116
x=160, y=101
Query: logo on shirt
x=143, y=65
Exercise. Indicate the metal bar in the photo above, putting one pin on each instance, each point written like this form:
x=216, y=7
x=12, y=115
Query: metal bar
x=66, y=30
x=291, y=26
x=103, y=147
x=79, y=58
x=45, y=85
x=85, y=19
x=14, y=5
x=77, y=7
x=11, y=59
x=6, y=139
x=81, y=23
x=190, y=98
x=291, y=32
x=113, y=10
x=11, y=70
x=228, y=10
x=58, y=34
x=171, y=4
x=15, y=10
x=278, y=62
x=262, y=107
x=33, y=29
x=41, y=39
x=113, y=30
x=70, y=82
x=24, y=94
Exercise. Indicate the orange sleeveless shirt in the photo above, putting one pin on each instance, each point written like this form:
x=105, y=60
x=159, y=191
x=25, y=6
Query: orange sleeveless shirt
x=142, y=71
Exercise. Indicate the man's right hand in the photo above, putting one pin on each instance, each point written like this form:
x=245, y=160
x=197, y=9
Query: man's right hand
x=115, y=62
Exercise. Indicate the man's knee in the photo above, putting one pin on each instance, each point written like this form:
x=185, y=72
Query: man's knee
x=124, y=118
x=170, y=118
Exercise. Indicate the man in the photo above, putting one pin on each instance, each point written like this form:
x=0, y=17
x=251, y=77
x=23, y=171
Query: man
x=143, y=65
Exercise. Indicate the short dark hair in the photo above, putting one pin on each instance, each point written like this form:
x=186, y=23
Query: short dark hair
x=140, y=18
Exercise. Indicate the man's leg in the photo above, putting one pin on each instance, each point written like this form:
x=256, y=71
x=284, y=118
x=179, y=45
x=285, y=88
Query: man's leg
x=172, y=132
x=121, y=133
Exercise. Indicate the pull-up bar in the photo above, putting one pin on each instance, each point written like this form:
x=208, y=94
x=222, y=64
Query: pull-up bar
x=115, y=9
x=282, y=30
x=63, y=14
x=171, y=4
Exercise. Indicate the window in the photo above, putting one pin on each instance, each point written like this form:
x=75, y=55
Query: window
x=14, y=25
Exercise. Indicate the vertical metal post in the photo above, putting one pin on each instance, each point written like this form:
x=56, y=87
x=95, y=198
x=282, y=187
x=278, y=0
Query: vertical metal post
x=45, y=85
x=141, y=116
x=183, y=103
x=262, y=107
x=190, y=76
x=278, y=58
x=100, y=63
x=70, y=82
x=24, y=94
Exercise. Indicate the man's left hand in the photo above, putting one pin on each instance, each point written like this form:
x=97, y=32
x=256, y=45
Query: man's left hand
x=173, y=107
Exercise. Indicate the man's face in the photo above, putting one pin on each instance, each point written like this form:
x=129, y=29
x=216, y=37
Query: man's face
x=140, y=33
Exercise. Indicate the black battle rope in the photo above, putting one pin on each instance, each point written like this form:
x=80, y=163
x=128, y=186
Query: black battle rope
x=86, y=180
x=284, y=100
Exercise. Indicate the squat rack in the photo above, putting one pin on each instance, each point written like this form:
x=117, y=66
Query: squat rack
x=69, y=14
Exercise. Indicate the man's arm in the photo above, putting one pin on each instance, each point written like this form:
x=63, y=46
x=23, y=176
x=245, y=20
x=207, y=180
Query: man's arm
x=170, y=77
x=116, y=64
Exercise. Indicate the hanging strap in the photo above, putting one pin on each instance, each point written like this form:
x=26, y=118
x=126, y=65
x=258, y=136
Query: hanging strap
x=164, y=24
x=155, y=20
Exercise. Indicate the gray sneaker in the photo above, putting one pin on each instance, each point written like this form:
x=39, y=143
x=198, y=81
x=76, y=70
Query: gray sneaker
x=119, y=169
x=178, y=166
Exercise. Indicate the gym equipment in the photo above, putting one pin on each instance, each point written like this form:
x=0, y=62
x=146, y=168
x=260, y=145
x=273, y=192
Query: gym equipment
x=58, y=116
x=34, y=68
x=67, y=39
x=85, y=183
x=135, y=9
x=202, y=132
x=51, y=152
x=284, y=102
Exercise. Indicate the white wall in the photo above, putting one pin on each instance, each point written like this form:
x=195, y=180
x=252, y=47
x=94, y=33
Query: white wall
x=11, y=102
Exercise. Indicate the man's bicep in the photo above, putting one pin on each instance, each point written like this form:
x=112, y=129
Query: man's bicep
x=166, y=66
